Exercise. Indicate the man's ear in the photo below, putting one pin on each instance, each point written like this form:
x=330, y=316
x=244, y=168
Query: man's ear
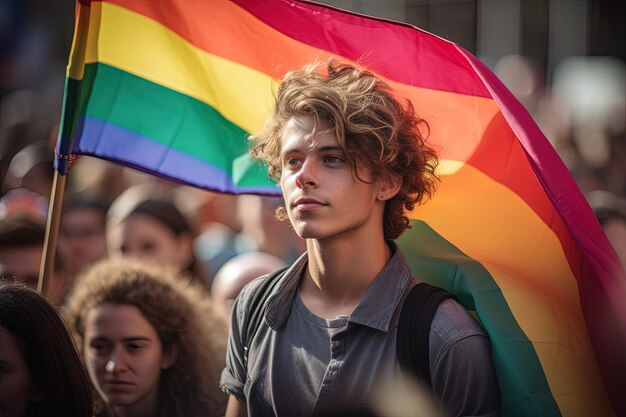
x=169, y=357
x=388, y=188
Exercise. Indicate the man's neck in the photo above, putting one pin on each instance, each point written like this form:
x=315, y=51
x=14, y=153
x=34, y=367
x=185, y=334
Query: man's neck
x=340, y=271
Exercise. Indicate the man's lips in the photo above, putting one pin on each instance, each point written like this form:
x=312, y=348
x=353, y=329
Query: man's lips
x=307, y=204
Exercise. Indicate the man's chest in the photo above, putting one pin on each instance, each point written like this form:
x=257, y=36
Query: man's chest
x=312, y=363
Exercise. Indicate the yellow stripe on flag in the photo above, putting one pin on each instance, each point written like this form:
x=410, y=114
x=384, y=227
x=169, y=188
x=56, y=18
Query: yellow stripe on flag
x=120, y=38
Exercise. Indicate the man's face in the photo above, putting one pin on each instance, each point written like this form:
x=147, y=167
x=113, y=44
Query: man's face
x=22, y=263
x=323, y=197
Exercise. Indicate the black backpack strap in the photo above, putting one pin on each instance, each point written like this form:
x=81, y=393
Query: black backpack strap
x=414, y=324
x=255, y=312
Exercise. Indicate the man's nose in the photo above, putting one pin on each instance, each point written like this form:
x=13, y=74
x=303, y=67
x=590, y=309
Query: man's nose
x=308, y=176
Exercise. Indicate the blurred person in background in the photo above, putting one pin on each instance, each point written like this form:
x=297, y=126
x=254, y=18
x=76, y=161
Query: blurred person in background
x=264, y=231
x=21, y=247
x=41, y=373
x=82, y=237
x=13, y=138
x=31, y=169
x=260, y=231
x=22, y=233
x=154, y=230
x=236, y=273
x=218, y=225
x=153, y=345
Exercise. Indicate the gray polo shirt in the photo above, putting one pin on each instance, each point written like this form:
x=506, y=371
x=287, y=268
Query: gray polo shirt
x=299, y=363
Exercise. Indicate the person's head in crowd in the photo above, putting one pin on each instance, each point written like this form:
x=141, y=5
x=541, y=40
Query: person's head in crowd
x=26, y=151
x=32, y=168
x=152, y=344
x=236, y=273
x=21, y=247
x=156, y=231
x=41, y=373
x=25, y=202
x=82, y=237
x=257, y=215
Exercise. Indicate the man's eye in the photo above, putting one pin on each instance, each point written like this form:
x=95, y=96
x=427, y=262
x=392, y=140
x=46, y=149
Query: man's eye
x=334, y=159
x=293, y=161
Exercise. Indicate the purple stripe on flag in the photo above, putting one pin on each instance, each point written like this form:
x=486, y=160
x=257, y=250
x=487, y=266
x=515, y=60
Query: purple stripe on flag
x=144, y=154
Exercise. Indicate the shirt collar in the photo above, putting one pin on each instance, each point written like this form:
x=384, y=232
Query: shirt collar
x=379, y=303
x=375, y=309
x=279, y=305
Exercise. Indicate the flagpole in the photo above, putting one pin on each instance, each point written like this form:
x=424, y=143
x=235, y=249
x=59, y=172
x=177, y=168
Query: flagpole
x=46, y=271
x=67, y=133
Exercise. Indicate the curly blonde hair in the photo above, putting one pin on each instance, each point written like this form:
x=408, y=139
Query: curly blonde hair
x=373, y=129
x=181, y=316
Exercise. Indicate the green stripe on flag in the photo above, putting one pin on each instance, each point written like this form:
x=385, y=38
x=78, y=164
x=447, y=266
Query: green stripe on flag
x=165, y=116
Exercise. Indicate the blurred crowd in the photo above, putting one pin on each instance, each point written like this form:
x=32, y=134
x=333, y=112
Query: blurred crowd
x=145, y=271
x=215, y=243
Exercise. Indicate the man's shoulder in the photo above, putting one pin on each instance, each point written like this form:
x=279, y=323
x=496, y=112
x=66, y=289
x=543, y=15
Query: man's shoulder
x=268, y=296
x=453, y=323
x=253, y=289
x=461, y=363
x=250, y=289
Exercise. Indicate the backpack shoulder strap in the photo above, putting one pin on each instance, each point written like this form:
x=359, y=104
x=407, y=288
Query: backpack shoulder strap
x=414, y=324
x=255, y=312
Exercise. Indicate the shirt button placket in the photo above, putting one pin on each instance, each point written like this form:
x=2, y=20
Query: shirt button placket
x=332, y=371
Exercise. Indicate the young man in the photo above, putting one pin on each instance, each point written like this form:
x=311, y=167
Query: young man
x=350, y=161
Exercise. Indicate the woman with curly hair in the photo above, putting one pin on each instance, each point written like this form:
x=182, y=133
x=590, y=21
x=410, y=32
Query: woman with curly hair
x=152, y=343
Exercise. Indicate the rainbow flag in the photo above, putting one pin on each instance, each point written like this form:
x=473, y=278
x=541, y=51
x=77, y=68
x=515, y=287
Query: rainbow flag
x=173, y=88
